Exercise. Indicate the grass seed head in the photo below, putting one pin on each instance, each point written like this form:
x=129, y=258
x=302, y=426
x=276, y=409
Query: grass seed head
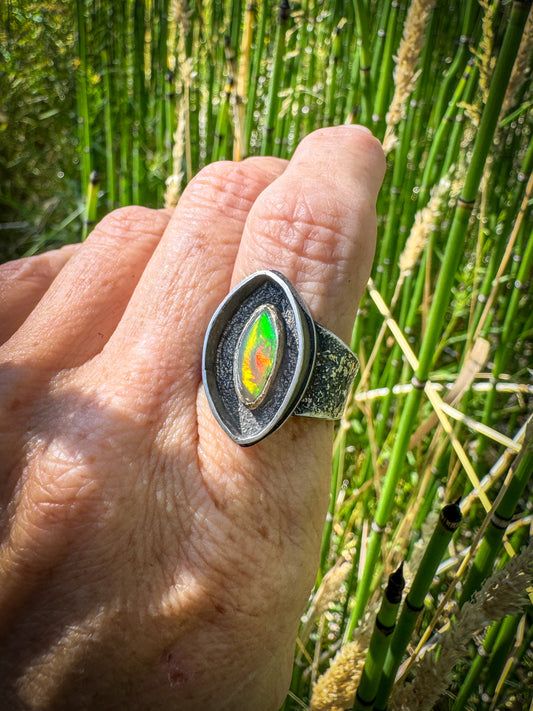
x=406, y=72
x=504, y=593
x=335, y=689
x=486, y=60
x=174, y=181
x=328, y=591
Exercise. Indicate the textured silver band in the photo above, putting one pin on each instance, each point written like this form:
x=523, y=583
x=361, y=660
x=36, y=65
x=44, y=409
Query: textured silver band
x=331, y=381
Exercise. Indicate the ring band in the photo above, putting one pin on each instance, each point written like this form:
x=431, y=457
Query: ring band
x=265, y=359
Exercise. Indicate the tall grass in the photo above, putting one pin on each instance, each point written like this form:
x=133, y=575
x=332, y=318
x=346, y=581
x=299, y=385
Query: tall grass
x=444, y=332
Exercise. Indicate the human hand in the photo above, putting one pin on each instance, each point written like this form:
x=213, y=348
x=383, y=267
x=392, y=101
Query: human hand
x=147, y=561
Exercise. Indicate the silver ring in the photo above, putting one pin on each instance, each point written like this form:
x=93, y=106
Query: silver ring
x=265, y=359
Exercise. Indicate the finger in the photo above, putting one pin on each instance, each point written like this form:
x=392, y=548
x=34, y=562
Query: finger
x=163, y=328
x=317, y=225
x=83, y=305
x=23, y=283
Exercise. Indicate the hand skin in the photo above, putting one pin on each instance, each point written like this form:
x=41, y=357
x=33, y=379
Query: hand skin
x=146, y=561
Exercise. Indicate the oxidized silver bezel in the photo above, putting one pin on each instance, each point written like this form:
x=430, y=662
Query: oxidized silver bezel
x=248, y=425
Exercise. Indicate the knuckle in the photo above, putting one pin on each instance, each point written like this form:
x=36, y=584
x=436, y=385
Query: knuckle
x=127, y=223
x=30, y=270
x=226, y=188
x=295, y=221
x=51, y=508
x=62, y=487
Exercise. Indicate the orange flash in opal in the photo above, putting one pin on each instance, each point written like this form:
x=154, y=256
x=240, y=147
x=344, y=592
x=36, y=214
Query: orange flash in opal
x=257, y=354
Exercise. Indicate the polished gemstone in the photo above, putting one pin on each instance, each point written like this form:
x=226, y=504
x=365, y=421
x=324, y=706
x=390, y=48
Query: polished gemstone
x=257, y=356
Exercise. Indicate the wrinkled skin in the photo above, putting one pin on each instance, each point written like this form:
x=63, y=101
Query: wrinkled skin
x=146, y=561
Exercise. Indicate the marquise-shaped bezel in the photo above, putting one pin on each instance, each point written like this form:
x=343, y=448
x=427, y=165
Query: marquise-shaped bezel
x=248, y=423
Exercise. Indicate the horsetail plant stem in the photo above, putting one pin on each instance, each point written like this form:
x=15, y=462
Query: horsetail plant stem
x=383, y=69
x=92, y=200
x=457, y=132
x=500, y=653
x=274, y=85
x=235, y=22
x=440, y=137
x=241, y=144
x=476, y=668
x=518, y=195
x=449, y=520
x=331, y=84
x=109, y=134
x=256, y=66
x=458, y=64
x=162, y=116
x=220, y=146
x=337, y=469
x=83, y=103
x=379, y=642
x=139, y=103
x=125, y=116
x=361, y=14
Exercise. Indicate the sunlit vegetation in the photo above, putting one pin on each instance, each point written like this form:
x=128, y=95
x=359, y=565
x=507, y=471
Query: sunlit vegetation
x=433, y=459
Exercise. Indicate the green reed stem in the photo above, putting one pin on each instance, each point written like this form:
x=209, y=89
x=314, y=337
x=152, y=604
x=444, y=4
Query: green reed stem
x=449, y=520
x=109, y=134
x=256, y=67
x=479, y=663
x=331, y=84
x=497, y=253
x=337, y=471
x=92, y=201
x=274, y=83
x=279, y=148
x=507, y=342
x=161, y=83
x=458, y=64
x=441, y=137
x=139, y=100
x=454, y=142
x=382, y=66
x=170, y=113
x=365, y=63
x=405, y=177
x=500, y=653
x=82, y=99
x=352, y=109
x=223, y=127
x=498, y=87
x=380, y=642
x=125, y=111
x=236, y=12
x=491, y=542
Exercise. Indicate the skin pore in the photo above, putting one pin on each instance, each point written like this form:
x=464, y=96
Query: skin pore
x=147, y=561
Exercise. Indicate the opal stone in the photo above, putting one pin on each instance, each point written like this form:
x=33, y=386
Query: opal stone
x=257, y=355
